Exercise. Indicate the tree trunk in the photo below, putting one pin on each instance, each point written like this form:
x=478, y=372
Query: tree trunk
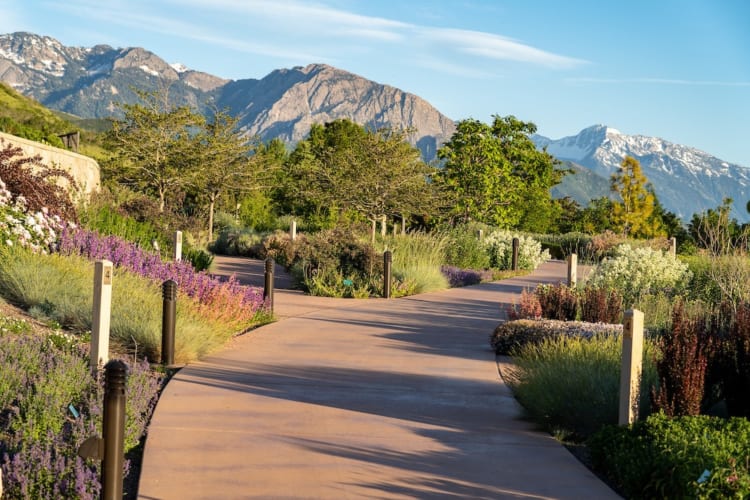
x=383, y=225
x=403, y=224
x=211, y=205
x=162, y=196
x=373, y=229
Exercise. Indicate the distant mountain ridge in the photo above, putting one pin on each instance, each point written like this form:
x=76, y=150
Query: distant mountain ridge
x=87, y=82
x=685, y=179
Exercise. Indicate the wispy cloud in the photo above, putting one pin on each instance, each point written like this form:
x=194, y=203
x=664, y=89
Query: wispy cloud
x=656, y=81
x=314, y=32
x=497, y=47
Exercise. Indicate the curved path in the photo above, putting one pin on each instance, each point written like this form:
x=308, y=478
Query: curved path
x=360, y=399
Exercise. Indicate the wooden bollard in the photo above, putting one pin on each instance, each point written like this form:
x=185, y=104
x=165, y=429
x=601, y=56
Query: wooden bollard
x=632, y=360
x=177, y=246
x=572, y=270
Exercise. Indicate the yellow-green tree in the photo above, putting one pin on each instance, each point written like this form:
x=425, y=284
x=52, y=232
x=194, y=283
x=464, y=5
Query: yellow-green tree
x=634, y=213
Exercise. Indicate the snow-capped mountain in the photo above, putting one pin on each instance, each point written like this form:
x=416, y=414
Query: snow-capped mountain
x=686, y=180
x=88, y=82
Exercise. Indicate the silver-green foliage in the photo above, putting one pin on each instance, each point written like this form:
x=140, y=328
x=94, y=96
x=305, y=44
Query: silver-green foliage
x=500, y=248
x=635, y=272
x=571, y=384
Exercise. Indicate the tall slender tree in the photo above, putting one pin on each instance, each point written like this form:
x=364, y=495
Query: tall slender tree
x=633, y=212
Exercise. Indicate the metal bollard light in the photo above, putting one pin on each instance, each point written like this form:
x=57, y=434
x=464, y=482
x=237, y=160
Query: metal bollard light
x=168, y=321
x=514, y=259
x=114, y=429
x=268, y=286
x=387, y=264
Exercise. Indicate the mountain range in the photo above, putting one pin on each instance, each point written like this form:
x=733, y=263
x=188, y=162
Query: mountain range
x=89, y=82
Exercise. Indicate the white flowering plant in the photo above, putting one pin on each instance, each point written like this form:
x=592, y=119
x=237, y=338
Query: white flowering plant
x=499, y=245
x=636, y=272
x=18, y=226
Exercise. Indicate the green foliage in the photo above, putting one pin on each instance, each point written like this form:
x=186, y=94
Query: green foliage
x=465, y=249
x=24, y=117
x=561, y=246
x=717, y=279
x=635, y=272
x=198, y=258
x=157, y=147
x=571, y=384
x=715, y=231
x=495, y=174
x=417, y=259
x=107, y=220
x=238, y=240
x=336, y=254
x=343, y=166
x=500, y=247
x=684, y=457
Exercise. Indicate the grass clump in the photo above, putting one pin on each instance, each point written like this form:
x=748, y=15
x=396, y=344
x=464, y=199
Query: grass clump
x=417, y=260
x=570, y=384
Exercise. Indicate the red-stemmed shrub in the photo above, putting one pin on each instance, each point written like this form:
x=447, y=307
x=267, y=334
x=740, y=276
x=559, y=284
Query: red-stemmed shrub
x=600, y=305
x=558, y=302
x=685, y=352
x=528, y=307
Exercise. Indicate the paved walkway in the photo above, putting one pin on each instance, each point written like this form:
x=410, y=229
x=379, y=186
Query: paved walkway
x=376, y=398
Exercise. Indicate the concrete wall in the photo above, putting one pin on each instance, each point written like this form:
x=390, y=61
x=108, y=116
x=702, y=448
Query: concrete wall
x=84, y=170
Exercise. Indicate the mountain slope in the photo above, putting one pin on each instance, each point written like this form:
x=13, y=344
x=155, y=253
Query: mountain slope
x=686, y=180
x=581, y=185
x=88, y=82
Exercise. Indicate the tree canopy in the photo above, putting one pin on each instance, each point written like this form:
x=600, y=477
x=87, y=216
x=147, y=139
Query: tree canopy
x=375, y=173
x=634, y=214
x=496, y=175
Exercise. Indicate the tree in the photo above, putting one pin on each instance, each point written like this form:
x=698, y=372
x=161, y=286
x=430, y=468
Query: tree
x=224, y=162
x=717, y=232
x=495, y=174
x=633, y=213
x=157, y=145
x=342, y=165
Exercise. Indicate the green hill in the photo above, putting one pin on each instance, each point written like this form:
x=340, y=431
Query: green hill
x=582, y=185
x=24, y=117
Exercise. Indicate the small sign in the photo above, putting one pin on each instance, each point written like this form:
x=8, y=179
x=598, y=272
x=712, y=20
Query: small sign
x=107, y=275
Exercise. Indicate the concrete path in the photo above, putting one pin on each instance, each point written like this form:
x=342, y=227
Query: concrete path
x=360, y=399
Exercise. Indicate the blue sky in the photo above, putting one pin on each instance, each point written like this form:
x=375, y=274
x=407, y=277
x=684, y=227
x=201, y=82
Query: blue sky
x=676, y=69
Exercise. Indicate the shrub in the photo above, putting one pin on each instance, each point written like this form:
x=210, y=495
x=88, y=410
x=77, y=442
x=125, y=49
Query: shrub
x=500, y=248
x=570, y=383
x=558, y=302
x=562, y=245
x=198, y=258
x=40, y=385
x=600, y=305
x=683, y=457
x=528, y=307
x=241, y=241
x=720, y=278
x=465, y=277
x=731, y=365
x=280, y=247
x=640, y=271
x=512, y=335
x=685, y=350
x=465, y=249
x=104, y=219
x=329, y=257
x=34, y=182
